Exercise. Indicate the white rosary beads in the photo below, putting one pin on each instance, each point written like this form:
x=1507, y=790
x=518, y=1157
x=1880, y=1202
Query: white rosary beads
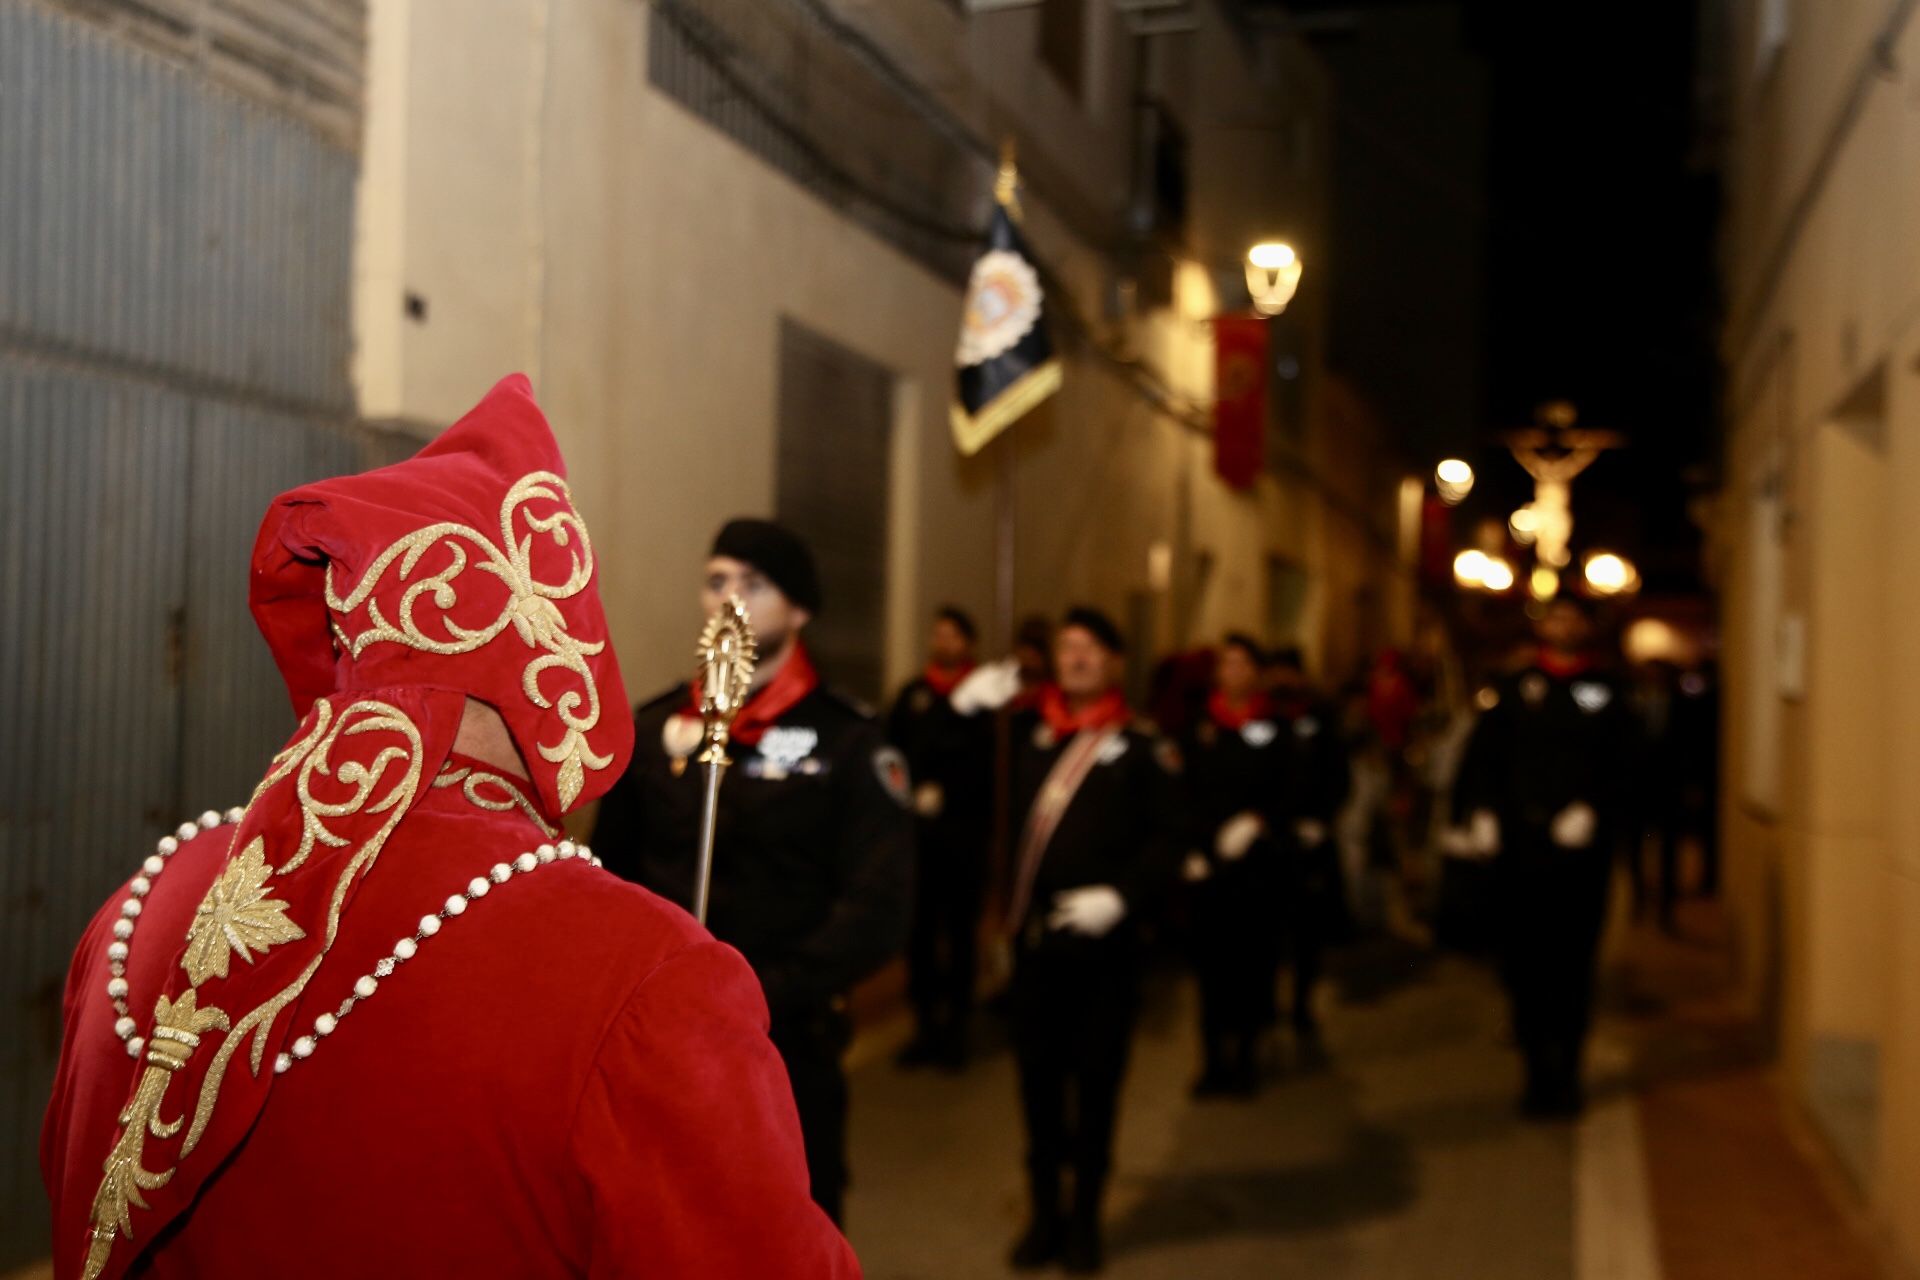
x=405, y=949
x=363, y=988
x=123, y=1024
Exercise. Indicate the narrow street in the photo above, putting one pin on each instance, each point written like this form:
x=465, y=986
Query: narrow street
x=1400, y=1157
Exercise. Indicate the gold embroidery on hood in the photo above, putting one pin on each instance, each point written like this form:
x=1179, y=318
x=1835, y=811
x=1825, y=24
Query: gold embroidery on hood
x=530, y=611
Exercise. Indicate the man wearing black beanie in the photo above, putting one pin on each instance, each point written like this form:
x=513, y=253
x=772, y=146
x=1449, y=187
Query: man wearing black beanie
x=812, y=874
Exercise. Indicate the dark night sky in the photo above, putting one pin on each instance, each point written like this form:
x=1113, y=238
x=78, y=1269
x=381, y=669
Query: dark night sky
x=1601, y=283
x=1595, y=243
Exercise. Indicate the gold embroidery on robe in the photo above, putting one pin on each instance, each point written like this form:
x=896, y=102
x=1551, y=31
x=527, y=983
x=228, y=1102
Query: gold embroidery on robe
x=238, y=916
x=474, y=784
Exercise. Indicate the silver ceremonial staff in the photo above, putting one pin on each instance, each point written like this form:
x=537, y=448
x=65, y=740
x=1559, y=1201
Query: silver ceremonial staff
x=727, y=654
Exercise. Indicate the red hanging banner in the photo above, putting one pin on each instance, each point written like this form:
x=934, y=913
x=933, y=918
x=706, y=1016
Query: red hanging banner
x=1239, y=398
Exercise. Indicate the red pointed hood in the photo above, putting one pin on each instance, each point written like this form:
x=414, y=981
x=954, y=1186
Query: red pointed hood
x=464, y=568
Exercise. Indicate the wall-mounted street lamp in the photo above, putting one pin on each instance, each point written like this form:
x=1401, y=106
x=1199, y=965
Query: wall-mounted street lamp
x=1273, y=273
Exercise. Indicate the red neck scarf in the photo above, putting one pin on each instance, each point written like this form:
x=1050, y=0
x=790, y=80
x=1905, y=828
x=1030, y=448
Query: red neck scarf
x=1108, y=711
x=765, y=705
x=1563, y=666
x=1228, y=716
x=943, y=680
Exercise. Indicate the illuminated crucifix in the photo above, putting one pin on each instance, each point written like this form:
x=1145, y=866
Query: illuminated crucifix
x=1554, y=453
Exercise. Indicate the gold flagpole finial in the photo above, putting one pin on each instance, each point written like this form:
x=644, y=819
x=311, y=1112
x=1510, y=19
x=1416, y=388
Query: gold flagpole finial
x=1006, y=184
x=728, y=652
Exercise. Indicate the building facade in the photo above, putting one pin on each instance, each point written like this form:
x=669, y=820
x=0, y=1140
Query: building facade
x=1816, y=551
x=691, y=223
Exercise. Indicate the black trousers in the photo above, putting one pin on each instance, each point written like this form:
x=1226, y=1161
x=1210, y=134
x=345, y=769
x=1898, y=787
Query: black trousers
x=1313, y=910
x=811, y=1043
x=1552, y=905
x=1236, y=945
x=943, y=950
x=1072, y=1003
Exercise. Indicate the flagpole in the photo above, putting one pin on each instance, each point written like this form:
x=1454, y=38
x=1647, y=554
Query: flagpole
x=1004, y=530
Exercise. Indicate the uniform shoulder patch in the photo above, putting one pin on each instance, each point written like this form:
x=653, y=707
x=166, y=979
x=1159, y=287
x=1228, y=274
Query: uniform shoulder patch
x=1166, y=753
x=891, y=768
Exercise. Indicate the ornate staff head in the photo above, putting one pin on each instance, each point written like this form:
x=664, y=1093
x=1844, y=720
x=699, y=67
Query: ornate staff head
x=727, y=653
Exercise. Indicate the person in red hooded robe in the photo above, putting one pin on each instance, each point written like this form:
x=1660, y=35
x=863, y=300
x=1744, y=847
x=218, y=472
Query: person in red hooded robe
x=381, y=1018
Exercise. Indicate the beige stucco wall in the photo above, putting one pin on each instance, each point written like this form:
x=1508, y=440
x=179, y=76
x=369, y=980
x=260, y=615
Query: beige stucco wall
x=561, y=218
x=1825, y=874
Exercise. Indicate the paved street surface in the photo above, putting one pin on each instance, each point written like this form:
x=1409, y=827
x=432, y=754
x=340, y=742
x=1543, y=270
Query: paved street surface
x=1398, y=1158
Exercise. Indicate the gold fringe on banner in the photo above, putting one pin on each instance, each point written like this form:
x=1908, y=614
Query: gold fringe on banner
x=971, y=432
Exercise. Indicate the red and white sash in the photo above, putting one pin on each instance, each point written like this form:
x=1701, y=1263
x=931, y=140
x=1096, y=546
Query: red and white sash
x=1056, y=793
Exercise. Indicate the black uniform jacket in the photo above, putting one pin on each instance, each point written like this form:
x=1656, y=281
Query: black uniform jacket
x=1549, y=740
x=1230, y=771
x=954, y=752
x=1125, y=826
x=1313, y=761
x=813, y=860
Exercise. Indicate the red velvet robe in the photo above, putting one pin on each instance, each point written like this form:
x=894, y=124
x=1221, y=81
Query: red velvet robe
x=569, y=1079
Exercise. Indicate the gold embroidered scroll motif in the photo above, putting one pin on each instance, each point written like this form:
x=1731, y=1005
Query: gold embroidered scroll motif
x=529, y=610
x=493, y=793
x=238, y=916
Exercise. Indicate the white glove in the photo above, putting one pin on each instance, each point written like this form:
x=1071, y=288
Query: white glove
x=1483, y=833
x=1090, y=912
x=988, y=687
x=1196, y=868
x=1573, y=826
x=1237, y=834
x=929, y=798
x=1310, y=832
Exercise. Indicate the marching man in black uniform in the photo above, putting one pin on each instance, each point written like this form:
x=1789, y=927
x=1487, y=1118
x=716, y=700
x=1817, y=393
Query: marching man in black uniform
x=812, y=880
x=1097, y=824
x=1541, y=788
x=1316, y=775
x=1233, y=766
x=950, y=756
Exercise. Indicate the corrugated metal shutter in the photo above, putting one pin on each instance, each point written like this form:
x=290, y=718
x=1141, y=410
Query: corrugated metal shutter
x=236, y=710
x=836, y=414
x=175, y=274
x=93, y=502
x=162, y=224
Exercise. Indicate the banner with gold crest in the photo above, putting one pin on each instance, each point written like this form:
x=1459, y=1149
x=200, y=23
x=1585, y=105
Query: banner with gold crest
x=1005, y=361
